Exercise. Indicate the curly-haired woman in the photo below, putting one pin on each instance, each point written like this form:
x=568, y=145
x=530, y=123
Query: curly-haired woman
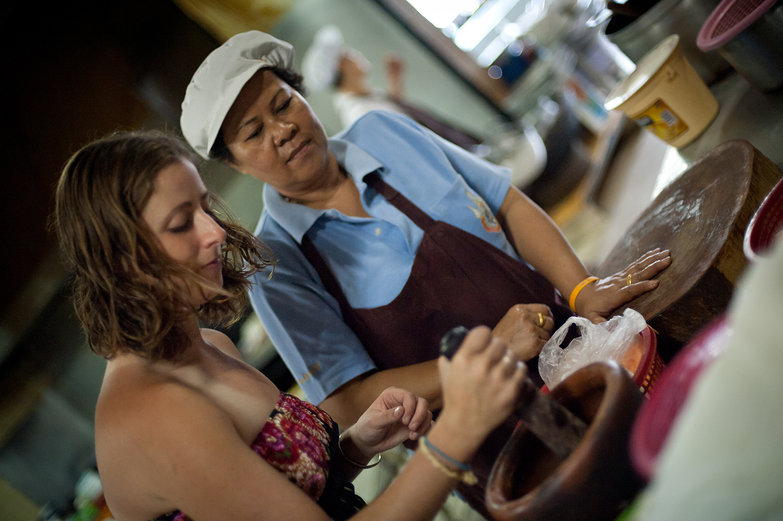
x=183, y=427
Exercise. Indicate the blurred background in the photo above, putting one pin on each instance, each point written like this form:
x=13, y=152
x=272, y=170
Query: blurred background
x=528, y=77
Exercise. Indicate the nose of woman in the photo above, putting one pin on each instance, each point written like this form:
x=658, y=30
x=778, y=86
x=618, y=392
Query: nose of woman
x=210, y=231
x=282, y=131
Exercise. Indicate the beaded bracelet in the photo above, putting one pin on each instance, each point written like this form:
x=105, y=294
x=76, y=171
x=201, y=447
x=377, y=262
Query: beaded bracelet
x=356, y=464
x=465, y=467
x=577, y=289
x=464, y=474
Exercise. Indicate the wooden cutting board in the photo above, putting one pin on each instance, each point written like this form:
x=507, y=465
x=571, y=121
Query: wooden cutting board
x=701, y=217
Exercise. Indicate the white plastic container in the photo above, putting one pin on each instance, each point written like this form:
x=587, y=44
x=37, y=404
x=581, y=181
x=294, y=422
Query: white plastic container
x=666, y=96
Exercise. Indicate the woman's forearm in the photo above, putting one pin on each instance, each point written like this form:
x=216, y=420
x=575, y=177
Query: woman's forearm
x=540, y=242
x=351, y=460
x=420, y=489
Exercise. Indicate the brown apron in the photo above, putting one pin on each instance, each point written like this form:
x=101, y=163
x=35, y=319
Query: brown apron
x=456, y=279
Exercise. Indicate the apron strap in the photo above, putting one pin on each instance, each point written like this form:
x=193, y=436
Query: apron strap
x=328, y=279
x=403, y=204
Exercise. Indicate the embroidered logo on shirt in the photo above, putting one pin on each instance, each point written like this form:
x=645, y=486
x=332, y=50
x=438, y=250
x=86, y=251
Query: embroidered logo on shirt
x=314, y=369
x=483, y=213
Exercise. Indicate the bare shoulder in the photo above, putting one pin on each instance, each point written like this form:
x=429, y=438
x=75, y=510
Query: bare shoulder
x=147, y=411
x=163, y=445
x=132, y=398
x=221, y=341
x=143, y=422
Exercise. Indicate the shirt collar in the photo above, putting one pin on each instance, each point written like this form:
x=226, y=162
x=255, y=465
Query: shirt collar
x=297, y=219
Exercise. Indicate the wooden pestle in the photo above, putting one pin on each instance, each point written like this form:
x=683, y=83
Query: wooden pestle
x=557, y=427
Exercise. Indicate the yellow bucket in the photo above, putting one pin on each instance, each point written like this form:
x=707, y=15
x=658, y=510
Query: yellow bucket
x=665, y=95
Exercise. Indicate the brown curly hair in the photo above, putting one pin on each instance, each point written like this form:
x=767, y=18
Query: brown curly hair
x=127, y=292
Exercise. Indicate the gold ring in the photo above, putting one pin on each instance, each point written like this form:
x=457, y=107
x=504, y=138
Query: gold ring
x=541, y=320
x=628, y=280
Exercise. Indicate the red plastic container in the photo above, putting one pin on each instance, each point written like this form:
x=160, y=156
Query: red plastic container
x=657, y=415
x=651, y=366
x=765, y=225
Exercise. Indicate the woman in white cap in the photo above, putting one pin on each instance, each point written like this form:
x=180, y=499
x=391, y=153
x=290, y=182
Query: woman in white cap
x=183, y=428
x=330, y=64
x=388, y=236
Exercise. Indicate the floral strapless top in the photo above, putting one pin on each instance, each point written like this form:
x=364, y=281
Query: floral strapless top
x=299, y=440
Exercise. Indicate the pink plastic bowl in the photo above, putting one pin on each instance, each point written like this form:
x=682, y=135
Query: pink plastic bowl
x=657, y=415
x=747, y=33
x=765, y=225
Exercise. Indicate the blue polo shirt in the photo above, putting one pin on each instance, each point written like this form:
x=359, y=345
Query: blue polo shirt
x=370, y=257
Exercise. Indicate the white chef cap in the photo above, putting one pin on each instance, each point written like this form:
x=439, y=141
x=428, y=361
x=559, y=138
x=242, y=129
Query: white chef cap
x=219, y=79
x=321, y=62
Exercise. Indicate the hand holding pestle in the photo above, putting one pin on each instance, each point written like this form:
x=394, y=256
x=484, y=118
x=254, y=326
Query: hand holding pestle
x=557, y=427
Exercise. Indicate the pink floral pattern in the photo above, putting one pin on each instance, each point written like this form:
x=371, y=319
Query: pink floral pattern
x=295, y=440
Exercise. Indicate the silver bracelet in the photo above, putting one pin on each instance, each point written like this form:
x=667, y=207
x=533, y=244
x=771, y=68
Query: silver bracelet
x=356, y=464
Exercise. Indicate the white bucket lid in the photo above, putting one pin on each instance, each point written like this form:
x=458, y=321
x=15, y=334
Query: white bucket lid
x=645, y=69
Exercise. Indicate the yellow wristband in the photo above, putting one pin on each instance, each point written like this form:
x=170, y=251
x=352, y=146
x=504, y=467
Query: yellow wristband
x=578, y=288
x=465, y=476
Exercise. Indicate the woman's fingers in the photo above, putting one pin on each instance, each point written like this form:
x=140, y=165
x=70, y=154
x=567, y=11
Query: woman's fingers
x=479, y=384
x=646, y=267
x=422, y=429
x=646, y=257
x=542, y=318
x=655, y=265
x=496, y=351
x=512, y=372
x=510, y=364
x=637, y=277
x=476, y=340
x=419, y=414
x=538, y=315
x=481, y=345
x=610, y=292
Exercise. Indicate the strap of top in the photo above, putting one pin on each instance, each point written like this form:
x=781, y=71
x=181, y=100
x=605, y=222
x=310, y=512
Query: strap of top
x=403, y=204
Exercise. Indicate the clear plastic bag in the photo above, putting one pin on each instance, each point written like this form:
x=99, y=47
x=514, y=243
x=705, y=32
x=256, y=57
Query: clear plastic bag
x=608, y=340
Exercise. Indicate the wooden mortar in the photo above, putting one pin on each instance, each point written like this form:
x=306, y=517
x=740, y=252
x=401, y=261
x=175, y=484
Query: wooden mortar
x=595, y=482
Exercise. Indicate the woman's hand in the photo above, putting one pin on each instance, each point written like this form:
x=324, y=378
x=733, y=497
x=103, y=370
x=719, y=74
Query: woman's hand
x=395, y=416
x=525, y=328
x=480, y=385
x=596, y=301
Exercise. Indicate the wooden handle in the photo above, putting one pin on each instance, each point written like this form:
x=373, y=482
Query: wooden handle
x=557, y=427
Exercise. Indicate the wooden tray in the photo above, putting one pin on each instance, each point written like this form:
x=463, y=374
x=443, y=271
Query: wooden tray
x=701, y=217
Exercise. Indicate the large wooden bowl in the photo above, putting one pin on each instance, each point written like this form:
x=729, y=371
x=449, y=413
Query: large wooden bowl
x=701, y=217
x=596, y=482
